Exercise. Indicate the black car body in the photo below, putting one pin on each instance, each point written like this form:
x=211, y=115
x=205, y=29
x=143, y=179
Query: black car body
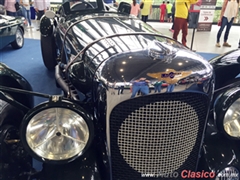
x=11, y=31
x=110, y=124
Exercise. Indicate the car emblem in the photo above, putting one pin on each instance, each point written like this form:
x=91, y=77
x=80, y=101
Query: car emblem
x=170, y=75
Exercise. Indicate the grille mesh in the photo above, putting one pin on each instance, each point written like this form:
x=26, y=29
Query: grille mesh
x=157, y=134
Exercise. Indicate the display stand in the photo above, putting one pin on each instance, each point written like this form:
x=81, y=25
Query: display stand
x=193, y=25
x=193, y=34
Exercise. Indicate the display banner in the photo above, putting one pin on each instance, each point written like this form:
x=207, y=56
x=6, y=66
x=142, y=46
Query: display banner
x=206, y=15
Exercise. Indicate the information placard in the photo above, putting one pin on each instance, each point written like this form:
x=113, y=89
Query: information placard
x=206, y=15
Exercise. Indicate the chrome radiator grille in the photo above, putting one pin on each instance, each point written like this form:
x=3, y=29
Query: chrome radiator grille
x=156, y=135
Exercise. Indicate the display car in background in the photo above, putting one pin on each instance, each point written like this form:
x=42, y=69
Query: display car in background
x=11, y=31
x=107, y=124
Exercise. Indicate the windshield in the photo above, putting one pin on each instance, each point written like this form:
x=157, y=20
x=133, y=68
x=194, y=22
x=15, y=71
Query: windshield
x=78, y=5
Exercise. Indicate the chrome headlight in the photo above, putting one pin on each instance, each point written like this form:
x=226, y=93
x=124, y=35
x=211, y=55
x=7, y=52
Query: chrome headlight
x=231, y=122
x=56, y=133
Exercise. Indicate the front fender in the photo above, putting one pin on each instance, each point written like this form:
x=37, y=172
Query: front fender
x=219, y=151
x=46, y=26
x=10, y=78
x=226, y=67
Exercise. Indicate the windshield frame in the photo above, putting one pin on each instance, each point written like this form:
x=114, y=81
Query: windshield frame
x=67, y=7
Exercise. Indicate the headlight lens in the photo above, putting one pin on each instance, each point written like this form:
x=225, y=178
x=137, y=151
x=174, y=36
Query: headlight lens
x=57, y=133
x=231, y=122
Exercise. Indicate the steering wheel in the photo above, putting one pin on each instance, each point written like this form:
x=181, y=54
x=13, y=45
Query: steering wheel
x=81, y=5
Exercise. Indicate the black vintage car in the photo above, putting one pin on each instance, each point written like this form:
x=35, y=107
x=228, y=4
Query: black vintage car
x=107, y=124
x=11, y=31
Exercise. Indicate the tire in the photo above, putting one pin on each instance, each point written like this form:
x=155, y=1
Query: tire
x=19, y=40
x=49, y=52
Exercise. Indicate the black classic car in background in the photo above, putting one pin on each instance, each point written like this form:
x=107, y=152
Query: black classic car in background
x=11, y=31
x=107, y=124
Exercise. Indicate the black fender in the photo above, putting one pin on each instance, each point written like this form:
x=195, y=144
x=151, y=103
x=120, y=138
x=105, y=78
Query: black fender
x=219, y=149
x=218, y=152
x=10, y=78
x=226, y=67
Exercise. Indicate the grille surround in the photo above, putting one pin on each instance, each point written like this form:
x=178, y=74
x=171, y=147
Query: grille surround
x=125, y=158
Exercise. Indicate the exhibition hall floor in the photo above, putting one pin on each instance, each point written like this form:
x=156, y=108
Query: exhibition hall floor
x=203, y=41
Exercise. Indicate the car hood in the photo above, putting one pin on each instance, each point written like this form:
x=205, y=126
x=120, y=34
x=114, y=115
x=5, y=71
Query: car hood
x=82, y=30
x=119, y=57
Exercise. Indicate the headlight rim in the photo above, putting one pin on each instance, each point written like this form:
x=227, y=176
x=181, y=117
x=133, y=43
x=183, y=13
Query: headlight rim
x=221, y=106
x=60, y=104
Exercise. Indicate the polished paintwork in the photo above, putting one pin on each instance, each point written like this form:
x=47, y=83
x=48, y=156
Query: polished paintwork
x=8, y=29
x=226, y=67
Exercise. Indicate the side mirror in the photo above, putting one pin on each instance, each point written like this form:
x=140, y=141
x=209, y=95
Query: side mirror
x=124, y=8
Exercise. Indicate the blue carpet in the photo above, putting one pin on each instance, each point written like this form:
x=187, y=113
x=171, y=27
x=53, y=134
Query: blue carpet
x=207, y=56
x=28, y=62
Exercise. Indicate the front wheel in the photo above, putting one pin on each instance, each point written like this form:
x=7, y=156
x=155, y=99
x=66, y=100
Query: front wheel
x=49, y=52
x=19, y=39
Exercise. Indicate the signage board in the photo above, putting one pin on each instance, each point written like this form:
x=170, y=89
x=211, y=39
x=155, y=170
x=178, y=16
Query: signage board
x=206, y=15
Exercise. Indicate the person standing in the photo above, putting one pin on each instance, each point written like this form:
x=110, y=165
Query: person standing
x=146, y=10
x=135, y=9
x=180, y=19
x=10, y=7
x=40, y=7
x=140, y=85
x=228, y=13
x=163, y=8
x=169, y=11
x=170, y=88
x=173, y=15
x=26, y=11
x=158, y=86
